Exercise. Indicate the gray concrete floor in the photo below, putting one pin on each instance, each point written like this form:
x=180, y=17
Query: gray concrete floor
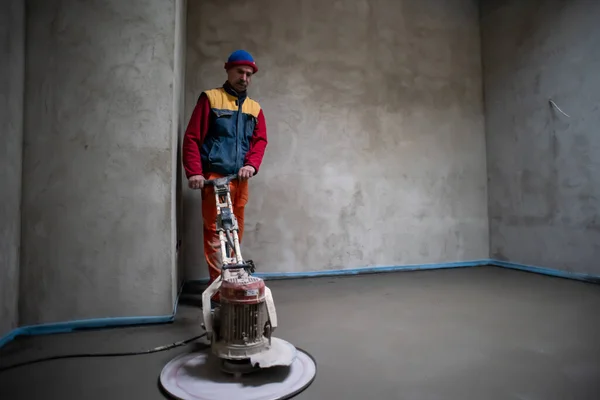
x=473, y=333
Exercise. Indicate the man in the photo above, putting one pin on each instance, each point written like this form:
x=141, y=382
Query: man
x=226, y=135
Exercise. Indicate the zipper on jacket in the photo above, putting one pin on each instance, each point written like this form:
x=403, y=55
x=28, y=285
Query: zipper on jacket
x=237, y=136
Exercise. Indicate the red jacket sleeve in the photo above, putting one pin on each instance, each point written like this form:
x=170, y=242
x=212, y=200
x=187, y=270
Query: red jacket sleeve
x=194, y=137
x=258, y=143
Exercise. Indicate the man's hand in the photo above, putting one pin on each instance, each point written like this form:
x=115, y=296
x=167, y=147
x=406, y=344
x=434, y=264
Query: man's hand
x=246, y=172
x=196, y=182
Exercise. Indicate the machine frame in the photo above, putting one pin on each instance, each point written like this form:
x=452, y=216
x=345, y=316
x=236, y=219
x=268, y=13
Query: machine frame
x=233, y=268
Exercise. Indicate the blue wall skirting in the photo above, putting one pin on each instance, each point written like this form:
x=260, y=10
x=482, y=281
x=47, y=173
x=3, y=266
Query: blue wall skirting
x=97, y=323
x=354, y=271
x=548, y=271
x=369, y=270
x=70, y=326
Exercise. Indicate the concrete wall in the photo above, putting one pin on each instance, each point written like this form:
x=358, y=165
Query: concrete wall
x=375, y=121
x=12, y=40
x=544, y=167
x=98, y=160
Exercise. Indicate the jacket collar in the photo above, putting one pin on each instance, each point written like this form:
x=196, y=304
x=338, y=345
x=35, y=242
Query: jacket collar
x=229, y=89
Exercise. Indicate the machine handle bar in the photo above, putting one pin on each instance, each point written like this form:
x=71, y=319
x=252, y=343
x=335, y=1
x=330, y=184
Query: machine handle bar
x=221, y=181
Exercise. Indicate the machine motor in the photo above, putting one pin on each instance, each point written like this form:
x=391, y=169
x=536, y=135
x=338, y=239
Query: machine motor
x=241, y=323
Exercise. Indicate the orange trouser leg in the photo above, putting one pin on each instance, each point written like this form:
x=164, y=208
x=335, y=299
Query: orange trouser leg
x=212, y=245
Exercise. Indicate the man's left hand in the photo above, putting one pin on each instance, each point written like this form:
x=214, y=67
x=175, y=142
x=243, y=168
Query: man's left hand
x=246, y=172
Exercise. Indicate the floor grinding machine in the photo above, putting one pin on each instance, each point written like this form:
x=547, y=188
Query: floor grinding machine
x=245, y=360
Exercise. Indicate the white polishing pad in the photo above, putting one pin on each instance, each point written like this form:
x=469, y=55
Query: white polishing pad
x=198, y=376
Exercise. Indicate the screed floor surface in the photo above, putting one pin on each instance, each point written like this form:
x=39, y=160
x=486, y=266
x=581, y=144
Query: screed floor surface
x=472, y=333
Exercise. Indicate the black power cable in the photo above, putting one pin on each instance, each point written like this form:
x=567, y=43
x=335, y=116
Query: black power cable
x=121, y=354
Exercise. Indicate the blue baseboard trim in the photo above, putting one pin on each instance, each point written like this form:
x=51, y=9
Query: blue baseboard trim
x=88, y=324
x=9, y=337
x=368, y=270
x=355, y=271
x=547, y=271
x=71, y=326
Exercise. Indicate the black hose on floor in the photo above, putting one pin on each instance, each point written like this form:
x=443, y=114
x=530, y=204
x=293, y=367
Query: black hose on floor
x=120, y=354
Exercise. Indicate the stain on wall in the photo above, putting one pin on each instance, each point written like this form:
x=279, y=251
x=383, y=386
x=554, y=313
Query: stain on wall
x=544, y=166
x=374, y=112
x=12, y=40
x=97, y=167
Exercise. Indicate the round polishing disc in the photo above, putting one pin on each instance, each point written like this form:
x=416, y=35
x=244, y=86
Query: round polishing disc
x=198, y=376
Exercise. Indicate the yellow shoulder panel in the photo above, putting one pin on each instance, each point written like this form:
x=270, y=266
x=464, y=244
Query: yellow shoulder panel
x=220, y=100
x=251, y=107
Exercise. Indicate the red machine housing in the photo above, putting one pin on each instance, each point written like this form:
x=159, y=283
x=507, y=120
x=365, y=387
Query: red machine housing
x=243, y=291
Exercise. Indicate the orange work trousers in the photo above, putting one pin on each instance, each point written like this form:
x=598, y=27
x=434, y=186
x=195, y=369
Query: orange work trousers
x=212, y=244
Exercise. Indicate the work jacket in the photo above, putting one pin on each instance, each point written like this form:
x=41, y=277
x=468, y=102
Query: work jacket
x=226, y=132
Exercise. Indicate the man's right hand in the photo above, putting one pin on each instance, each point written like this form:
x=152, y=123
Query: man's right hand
x=196, y=182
